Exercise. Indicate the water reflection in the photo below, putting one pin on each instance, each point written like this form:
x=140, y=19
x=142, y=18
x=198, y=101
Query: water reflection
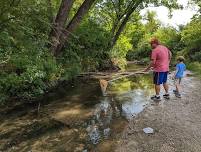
x=126, y=98
x=77, y=117
x=138, y=99
x=102, y=117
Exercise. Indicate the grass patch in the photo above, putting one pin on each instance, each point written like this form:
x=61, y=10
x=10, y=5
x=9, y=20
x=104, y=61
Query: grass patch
x=195, y=67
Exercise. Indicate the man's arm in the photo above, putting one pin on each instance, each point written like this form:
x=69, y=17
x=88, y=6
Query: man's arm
x=153, y=60
x=151, y=64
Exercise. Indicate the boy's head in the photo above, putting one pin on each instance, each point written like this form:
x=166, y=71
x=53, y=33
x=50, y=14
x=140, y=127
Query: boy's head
x=180, y=59
x=154, y=43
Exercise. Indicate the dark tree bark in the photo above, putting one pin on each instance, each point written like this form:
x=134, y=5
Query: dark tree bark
x=59, y=23
x=120, y=29
x=74, y=23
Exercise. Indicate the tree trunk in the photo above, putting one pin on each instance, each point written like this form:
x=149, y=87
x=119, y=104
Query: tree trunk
x=123, y=24
x=113, y=31
x=74, y=23
x=59, y=23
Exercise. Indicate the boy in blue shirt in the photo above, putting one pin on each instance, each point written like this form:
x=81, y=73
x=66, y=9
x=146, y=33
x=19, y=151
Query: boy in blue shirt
x=179, y=74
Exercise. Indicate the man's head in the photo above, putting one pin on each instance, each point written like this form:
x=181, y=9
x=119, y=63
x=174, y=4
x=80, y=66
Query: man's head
x=154, y=43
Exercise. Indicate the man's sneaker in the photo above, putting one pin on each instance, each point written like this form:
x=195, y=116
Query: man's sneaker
x=155, y=98
x=178, y=95
x=175, y=91
x=166, y=96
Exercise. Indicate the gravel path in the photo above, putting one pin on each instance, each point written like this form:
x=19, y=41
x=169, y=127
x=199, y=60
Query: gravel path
x=176, y=124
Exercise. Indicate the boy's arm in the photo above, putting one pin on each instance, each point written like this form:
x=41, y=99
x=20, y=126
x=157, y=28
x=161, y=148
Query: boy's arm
x=174, y=75
x=176, y=70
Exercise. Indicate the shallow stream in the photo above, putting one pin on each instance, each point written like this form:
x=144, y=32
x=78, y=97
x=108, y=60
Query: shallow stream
x=77, y=119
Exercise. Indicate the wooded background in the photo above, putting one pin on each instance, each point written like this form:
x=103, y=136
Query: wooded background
x=46, y=41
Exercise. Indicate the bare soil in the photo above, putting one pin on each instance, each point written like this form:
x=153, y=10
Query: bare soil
x=176, y=123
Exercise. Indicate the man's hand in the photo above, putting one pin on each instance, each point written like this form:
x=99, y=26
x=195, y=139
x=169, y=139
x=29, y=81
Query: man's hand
x=145, y=70
x=149, y=66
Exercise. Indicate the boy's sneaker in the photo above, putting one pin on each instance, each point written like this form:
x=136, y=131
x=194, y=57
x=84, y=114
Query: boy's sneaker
x=178, y=95
x=156, y=98
x=166, y=96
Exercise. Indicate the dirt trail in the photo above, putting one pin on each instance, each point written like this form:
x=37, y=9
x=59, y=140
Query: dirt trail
x=176, y=124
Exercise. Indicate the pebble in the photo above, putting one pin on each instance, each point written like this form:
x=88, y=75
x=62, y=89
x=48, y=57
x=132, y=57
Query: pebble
x=148, y=130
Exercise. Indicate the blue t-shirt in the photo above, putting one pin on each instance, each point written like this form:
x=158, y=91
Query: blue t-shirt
x=180, y=67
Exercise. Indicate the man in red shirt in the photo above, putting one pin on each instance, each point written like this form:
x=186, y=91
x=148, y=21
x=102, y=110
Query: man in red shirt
x=160, y=60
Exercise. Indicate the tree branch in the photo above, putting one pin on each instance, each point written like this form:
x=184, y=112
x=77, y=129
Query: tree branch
x=123, y=24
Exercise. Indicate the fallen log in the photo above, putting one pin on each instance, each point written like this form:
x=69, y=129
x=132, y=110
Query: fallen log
x=104, y=83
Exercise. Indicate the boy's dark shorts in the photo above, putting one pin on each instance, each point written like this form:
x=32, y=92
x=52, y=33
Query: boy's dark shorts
x=160, y=77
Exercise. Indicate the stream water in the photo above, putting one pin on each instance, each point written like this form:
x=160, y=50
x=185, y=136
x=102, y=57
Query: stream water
x=78, y=119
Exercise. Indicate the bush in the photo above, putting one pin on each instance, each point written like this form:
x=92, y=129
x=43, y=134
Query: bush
x=120, y=51
x=27, y=67
x=87, y=48
x=29, y=77
x=195, y=67
x=143, y=51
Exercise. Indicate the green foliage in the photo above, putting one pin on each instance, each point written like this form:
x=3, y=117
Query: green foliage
x=142, y=51
x=152, y=23
x=195, y=67
x=191, y=37
x=88, y=47
x=27, y=67
x=30, y=75
x=120, y=50
x=168, y=36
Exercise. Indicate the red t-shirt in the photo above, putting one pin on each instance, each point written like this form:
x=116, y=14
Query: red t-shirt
x=161, y=58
